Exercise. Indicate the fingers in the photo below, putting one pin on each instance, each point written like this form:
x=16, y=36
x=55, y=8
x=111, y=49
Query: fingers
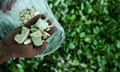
x=9, y=39
x=13, y=33
x=35, y=19
x=52, y=30
x=32, y=21
x=16, y=31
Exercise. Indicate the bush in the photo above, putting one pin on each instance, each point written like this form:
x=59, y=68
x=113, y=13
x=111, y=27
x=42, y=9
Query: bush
x=92, y=39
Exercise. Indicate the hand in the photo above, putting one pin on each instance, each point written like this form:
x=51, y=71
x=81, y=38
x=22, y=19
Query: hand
x=13, y=49
x=21, y=50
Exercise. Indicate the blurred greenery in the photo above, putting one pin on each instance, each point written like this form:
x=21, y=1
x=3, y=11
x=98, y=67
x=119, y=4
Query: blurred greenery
x=92, y=39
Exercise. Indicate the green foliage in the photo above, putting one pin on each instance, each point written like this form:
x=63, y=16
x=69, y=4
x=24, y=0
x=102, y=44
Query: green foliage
x=92, y=39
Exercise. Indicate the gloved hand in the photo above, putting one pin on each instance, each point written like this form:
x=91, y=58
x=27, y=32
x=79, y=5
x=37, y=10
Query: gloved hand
x=9, y=48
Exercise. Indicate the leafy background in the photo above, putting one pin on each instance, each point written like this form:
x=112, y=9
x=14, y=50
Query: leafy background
x=92, y=39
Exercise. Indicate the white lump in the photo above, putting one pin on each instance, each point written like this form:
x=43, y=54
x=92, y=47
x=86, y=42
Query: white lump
x=20, y=38
x=35, y=34
x=26, y=14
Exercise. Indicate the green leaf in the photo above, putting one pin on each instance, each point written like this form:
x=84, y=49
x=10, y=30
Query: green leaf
x=118, y=44
x=82, y=35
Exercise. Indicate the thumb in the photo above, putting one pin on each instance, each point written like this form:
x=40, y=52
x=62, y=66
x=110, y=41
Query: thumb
x=32, y=21
x=9, y=39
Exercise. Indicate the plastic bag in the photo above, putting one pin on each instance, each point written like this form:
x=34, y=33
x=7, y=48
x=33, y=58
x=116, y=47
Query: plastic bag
x=10, y=20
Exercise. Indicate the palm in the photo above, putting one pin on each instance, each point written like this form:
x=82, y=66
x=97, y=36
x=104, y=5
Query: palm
x=21, y=50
